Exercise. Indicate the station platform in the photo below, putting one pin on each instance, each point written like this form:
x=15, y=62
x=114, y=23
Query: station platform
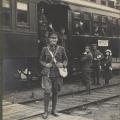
x=24, y=112
x=37, y=93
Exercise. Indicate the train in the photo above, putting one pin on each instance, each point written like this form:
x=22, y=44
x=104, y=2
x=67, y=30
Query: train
x=21, y=35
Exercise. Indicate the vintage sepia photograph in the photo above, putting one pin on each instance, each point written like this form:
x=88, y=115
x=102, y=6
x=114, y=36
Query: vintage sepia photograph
x=60, y=59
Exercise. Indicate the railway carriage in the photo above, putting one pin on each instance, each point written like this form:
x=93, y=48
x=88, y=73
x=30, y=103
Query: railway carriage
x=22, y=41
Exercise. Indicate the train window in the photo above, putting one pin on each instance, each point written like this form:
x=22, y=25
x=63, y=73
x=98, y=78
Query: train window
x=76, y=14
x=77, y=23
x=103, y=2
x=114, y=27
x=103, y=31
x=96, y=24
x=96, y=18
x=111, y=3
x=6, y=3
x=87, y=23
x=81, y=23
x=119, y=27
x=22, y=14
x=6, y=13
x=78, y=27
x=93, y=0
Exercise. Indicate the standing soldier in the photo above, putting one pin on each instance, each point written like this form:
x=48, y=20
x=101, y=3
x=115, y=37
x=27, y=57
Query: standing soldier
x=51, y=79
x=97, y=56
x=86, y=67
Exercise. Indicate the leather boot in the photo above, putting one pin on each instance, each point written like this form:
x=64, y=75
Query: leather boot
x=46, y=104
x=54, y=102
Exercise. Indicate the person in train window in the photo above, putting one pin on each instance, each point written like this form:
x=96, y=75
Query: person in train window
x=42, y=22
x=62, y=37
x=97, y=57
x=51, y=28
x=81, y=30
x=86, y=61
x=96, y=31
x=76, y=29
x=51, y=79
x=107, y=66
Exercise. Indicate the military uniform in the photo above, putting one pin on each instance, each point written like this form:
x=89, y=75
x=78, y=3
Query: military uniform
x=51, y=80
x=97, y=56
x=55, y=79
x=86, y=69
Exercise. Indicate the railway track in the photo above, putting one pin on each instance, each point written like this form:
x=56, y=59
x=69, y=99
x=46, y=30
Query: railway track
x=70, y=93
x=80, y=99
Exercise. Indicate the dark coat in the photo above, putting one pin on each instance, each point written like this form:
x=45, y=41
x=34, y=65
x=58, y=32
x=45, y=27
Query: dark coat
x=54, y=80
x=107, y=62
x=96, y=63
x=60, y=57
x=87, y=62
x=107, y=65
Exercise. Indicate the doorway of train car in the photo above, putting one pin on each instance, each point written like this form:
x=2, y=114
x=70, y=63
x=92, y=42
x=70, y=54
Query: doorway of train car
x=58, y=17
x=51, y=18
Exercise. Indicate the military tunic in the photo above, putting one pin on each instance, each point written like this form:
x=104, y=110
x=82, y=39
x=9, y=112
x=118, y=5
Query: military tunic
x=54, y=80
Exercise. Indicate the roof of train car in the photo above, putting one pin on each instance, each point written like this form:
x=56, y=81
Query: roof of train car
x=92, y=5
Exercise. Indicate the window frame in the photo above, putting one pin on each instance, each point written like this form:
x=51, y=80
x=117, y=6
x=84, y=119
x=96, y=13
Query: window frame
x=104, y=23
x=27, y=26
x=94, y=22
x=87, y=20
x=114, y=24
x=81, y=17
x=3, y=10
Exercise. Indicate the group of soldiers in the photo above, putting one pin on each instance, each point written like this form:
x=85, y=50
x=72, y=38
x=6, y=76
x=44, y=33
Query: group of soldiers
x=93, y=62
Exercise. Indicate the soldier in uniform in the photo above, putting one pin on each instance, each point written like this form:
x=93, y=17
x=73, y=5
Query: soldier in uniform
x=51, y=79
x=86, y=67
x=97, y=56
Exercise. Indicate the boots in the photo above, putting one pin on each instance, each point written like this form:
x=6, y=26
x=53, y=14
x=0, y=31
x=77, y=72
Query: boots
x=46, y=104
x=54, y=102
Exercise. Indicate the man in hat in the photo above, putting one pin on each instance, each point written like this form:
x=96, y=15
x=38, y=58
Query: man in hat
x=51, y=79
x=97, y=56
x=86, y=67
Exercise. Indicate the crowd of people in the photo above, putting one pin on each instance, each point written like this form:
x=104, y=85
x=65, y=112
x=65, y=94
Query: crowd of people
x=92, y=62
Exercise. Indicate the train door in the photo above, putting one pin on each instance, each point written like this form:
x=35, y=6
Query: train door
x=53, y=17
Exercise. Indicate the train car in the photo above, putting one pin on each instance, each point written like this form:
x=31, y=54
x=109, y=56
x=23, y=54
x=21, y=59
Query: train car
x=19, y=38
x=22, y=27
x=97, y=25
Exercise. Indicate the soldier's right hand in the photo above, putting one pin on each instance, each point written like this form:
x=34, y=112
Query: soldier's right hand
x=48, y=65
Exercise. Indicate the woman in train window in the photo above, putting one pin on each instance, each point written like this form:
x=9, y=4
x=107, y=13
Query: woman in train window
x=51, y=79
x=107, y=66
